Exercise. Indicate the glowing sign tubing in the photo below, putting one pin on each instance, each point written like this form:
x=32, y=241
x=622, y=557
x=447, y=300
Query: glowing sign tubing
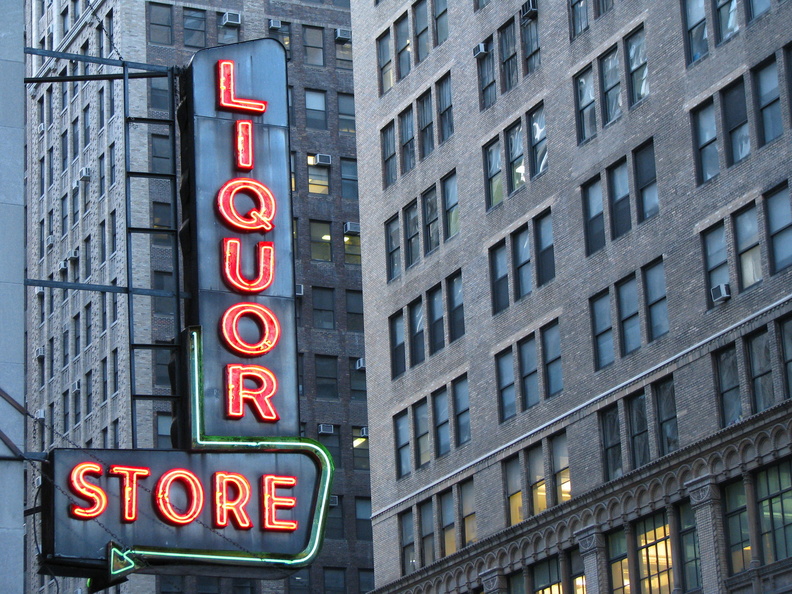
x=226, y=91
x=258, y=398
x=232, y=269
x=227, y=508
x=258, y=218
x=94, y=494
x=272, y=503
x=267, y=322
x=195, y=494
x=244, y=144
x=129, y=474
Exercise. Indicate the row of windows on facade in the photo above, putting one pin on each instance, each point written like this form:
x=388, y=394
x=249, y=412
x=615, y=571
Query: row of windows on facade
x=398, y=40
x=335, y=580
x=313, y=43
x=408, y=153
x=326, y=377
x=321, y=242
x=70, y=14
x=321, y=177
x=323, y=306
x=330, y=437
x=742, y=124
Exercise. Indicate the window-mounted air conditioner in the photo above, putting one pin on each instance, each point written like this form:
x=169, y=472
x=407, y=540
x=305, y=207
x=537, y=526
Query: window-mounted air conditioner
x=76, y=184
x=275, y=24
x=75, y=387
x=325, y=429
x=332, y=501
x=360, y=364
x=480, y=49
x=231, y=19
x=50, y=241
x=74, y=254
x=39, y=415
x=364, y=432
x=323, y=160
x=529, y=10
x=351, y=228
x=343, y=35
x=299, y=291
x=41, y=128
x=720, y=293
x=39, y=291
x=63, y=266
x=37, y=481
x=40, y=352
x=85, y=173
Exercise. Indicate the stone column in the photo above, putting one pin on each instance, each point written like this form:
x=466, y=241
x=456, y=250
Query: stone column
x=705, y=500
x=494, y=581
x=595, y=563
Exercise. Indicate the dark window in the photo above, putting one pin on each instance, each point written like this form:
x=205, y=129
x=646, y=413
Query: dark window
x=323, y=308
x=514, y=146
x=586, y=106
x=398, y=360
x=445, y=108
x=407, y=140
x=313, y=44
x=450, y=205
x=735, y=120
x=486, y=76
x=507, y=38
x=354, y=308
x=417, y=352
x=656, y=302
x=530, y=38
x=403, y=53
x=284, y=36
x=427, y=532
x=757, y=7
x=357, y=381
x=393, y=248
x=773, y=493
x=595, y=219
x=349, y=179
x=619, y=200
x=407, y=542
x=401, y=423
x=639, y=430
x=363, y=524
x=442, y=427
x=334, y=579
x=388, y=141
x=315, y=110
x=326, y=377
x=385, y=62
x=194, y=28
x=602, y=328
x=646, y=181
x=421, y=426
x=637, y=62
x=300, y=582
x=160, y=26
x=761, y=372
x=456, y=307
x=434, y=300
x=440, y=21
x=411, y=234
x=538, y=141
x=766, y=80
x=492, y=170
x=499, y=278
x=727, y=18
x=225, y=35
x=346, y=113
x=521, y=254
x=461, y=410
x=706, y=142
x=579, y=17
x=611, y=85
x=611, y=443
x=749, y=260
x=161, y=154
x=551, y=347
x=421, y=28
x=728, y=385
x=689, y=547
x=529, y=373
x=715, y=261
x=545, y=252
x=334, y=526
x=507, y=399
x=468, y=507
x=343, y=53
x=779, y=225
x=629, y=325
x=696, y=21
x=425, y=125
x=666, y=416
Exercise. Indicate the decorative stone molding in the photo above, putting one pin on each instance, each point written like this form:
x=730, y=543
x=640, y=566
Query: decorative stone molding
x=590, y=539
x=493, y=580
x=702, y=490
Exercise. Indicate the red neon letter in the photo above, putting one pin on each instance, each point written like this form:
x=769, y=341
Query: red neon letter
x=244, y=144
x=268, y=324
x=260, y=216
x=194, y=491
x=226, y=91
x=232, y=269
x=130, y=474
x=259, y=398
x=92, y=493
x=272, y=503
x=226, y=507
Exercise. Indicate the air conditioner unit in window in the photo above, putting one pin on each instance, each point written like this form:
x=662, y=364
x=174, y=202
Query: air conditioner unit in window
x=325, y=429
x=39, y=415
x=720, y=293
x=76, y=387
x=74, y=254
x=50, y=240
x=360, y=364
x=231, y=19
x=364, y=432
x=351, y=228
x=299, y=291
x=76, y=184
x=40, y=352
x=323, y=160
x=275, y=24
x=85, y=173
x=343, y=35
x=480, y=49
x=39, y=291
x=50, y=29
x=37, y=481
x=41, y=128
x=63, y=266
x=332, y=501
x=529, y=10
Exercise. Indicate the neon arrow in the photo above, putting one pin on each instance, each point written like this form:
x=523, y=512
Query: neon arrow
x=120, y=562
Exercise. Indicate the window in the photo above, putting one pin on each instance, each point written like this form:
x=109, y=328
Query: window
x=530, y=39
x=402, y=435
x=161, y=155
x=346, y=112
x=434, y=299
x=398, y=360
x=773, y=491
x=738, y=541
x=343, y=52
x=766, y=80
x=461, y=410
x=603, y=6
x=194, y=28
x=427, y=532
x=445, y=108
x=385, y=62
x=300, y=582
x=538, y=141
x=160, y=25
x=425, y=125
x=112, y=165
x=403, y=57
x=707, y=142
x=746, y=232
x=86, y=131
x=508, y=54
x=486, y=76
x=514, y=496
x=442, y=427
x=321, y=248
x=629, y=325
x=349, y=179
x=757, y=7
x=646, y=181
x=595, y=219
x=611, y=443
x=499, y=278
x=579, y=17
x=447, y=523
x=313, y=44
x=360, y=449
x=551, y=347
x=654, y=554
x=735, y=119
x=456, y=307
x=715, y=258
x=393, y=248
x=450, y=205
x=388, y=142
x=619, y=200
x=468, y=505
x=521, y=255
x=163, y=281
x=779, y=225
x=411, y=235
x=421, y=425
x=639, y=71
x=354, y=308
x=656, y=303
x=611, y=85
x=226, y=34
x=696, y=21
x=602, y=329
x=728, y=385
x=545, y=252
x=421, y=28
x=440, y=21
x=332, y=441
x=514, y=145
x=689, y=547
x=504, y=370
x=758, y=348
x=561, y=478
x=529, y=375
x=352, y=248
x=334, y=579
x=492, y=164
x=666, y=416
x=357, y=381
x=363, y=520
x=536, y=480
x=417, y=352
x=586, y=106
x=546, y=576
x=407, y=140
x=639, y=430
x=727, y=18
x=284, y=36
x=315, y=110
x=323, y=308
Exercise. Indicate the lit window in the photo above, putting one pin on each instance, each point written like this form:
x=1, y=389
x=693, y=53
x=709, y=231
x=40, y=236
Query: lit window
x=546, y=576
x=448, y=523
x=514, y=145
x=536, y=480
x=468, y=504
x=360, y=453
x=321, y=248
x=738, y=540
x=514, y=495
x=561, y=476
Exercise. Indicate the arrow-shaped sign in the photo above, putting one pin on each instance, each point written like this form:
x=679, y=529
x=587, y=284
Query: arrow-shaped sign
x=120, y=562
